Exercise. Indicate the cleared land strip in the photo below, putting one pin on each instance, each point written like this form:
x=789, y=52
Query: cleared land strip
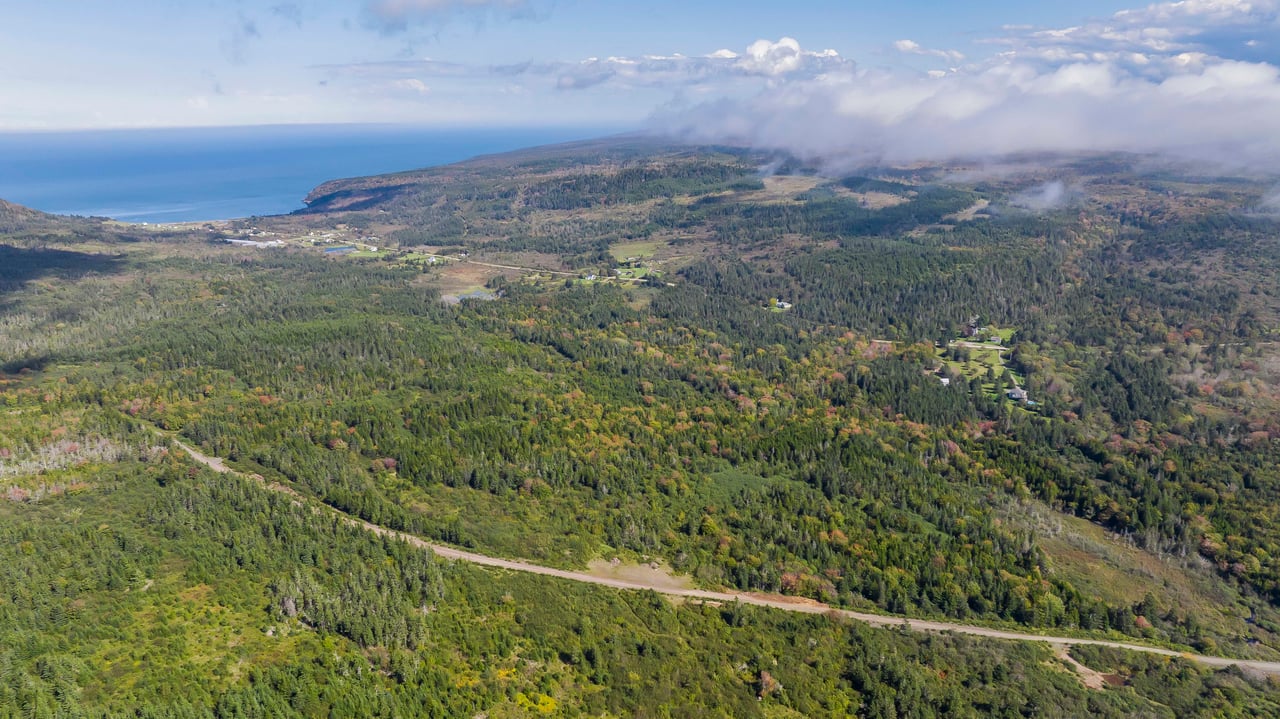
x=773, y=601
x=532, y=270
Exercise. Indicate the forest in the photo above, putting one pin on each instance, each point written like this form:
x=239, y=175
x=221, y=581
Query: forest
x=812, y=450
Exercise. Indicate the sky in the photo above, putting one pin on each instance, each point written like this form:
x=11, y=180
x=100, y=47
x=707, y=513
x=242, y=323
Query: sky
x=836, y=80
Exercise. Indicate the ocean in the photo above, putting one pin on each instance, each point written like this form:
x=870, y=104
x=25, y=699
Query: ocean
x=194, y=174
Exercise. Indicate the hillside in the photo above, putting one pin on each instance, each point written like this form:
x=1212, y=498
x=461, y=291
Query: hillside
x=16, y=218
x=1042, y=399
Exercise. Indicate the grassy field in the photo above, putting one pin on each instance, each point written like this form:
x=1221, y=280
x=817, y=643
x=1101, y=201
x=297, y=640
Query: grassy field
x=1105, y=565
x=417, y=260
x=642, y=249
x=1005, y=333
x=418, y=257
x=632, y=273
x=982, y=360
x=979, y=362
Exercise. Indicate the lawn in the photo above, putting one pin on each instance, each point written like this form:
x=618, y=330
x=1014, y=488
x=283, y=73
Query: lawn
x=632, y=273
x=1005, y=333
x=980, y=360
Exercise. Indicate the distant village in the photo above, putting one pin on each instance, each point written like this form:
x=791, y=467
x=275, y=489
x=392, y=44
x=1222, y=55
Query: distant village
x=255, y=237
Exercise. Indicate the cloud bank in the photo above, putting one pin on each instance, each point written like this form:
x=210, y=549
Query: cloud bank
x=1181, y=79
x=1220, y=109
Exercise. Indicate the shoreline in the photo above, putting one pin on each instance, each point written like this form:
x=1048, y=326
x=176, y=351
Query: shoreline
x=192, y=174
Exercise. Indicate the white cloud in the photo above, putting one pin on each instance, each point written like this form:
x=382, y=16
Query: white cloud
x=778, y=58
x=1216, y=11
x=1052, y=195
x=1165, y=28
x=1143, y=81
x=911, y=47
x=413, y=85
x=761, y=59
x=1175, y=78
x=1270, y=203
x=1224, y=110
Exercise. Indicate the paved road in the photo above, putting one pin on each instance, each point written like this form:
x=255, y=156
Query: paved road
x=774, y=601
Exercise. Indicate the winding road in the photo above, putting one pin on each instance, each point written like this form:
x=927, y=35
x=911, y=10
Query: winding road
x=772, y=601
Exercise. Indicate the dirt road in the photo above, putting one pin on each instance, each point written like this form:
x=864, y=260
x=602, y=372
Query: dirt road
x=785, y=603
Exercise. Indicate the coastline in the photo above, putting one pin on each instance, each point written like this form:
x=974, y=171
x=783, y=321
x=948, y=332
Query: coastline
x=198, y=175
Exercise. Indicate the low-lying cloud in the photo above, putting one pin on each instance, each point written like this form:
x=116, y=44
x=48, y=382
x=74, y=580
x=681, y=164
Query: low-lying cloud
x=1192, y=106
x=1181, y=79
x=1270, y=203
x=1053, y=195
x=1224, y=110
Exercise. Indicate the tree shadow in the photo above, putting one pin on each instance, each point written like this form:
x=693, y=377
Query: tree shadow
x=25, y=364
x=19, y=265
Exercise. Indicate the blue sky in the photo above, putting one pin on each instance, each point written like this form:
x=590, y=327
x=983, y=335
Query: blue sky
x=138, y=63
x=906, y=79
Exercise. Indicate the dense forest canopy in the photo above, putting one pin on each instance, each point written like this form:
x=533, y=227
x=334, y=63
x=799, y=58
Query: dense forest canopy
x=891, y=391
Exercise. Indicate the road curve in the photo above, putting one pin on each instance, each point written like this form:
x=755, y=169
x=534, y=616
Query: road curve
x=772, y=601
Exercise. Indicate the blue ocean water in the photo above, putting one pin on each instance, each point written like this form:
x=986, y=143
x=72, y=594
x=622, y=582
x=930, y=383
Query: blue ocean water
x=191, y=174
